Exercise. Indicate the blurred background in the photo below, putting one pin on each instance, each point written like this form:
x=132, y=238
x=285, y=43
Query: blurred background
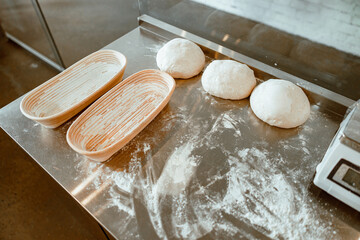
x=313, y=39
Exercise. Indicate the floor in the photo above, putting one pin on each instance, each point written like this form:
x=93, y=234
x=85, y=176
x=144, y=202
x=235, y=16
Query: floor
x=30, y=205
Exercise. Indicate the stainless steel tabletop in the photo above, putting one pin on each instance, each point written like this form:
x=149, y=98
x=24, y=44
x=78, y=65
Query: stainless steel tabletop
x=204, y=168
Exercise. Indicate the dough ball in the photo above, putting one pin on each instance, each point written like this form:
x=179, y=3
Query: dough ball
x=280, y=103
x=228, y=79
x=180, y=58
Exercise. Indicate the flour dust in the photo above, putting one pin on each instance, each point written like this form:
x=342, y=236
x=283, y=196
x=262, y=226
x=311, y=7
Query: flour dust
x=218, y=178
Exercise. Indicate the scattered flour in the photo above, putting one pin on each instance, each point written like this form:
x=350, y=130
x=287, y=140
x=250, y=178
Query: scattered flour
x=178, y=171
x=211, y=189
x=154, y=48
x=257, y=194
x=267, y=199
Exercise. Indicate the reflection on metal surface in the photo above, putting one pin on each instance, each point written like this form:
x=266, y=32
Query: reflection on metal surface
x=95, y=193
x=23, y=20
x=240, y=178
x=183, y=34
x=36, y=53
x=84, y=183
x=47, y=31
x=226, y=37
x=69, y=22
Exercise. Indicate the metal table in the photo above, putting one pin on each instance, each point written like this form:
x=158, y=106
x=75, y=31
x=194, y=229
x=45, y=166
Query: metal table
x=205, y=167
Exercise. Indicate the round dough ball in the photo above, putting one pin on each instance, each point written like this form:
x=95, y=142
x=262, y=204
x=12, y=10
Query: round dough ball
x=180, y=58
x=228, y=79
x=280, y=103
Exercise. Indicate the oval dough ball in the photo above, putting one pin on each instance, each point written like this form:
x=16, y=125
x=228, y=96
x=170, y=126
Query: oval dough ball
x=180, y=58
x=280, y=103
x=228, y=79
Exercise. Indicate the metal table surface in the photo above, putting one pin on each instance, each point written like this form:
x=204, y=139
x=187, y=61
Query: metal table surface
x=204, y=168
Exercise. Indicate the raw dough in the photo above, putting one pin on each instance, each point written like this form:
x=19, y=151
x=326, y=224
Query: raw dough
x=228, y=79
x=180, y=58
x=280, y=103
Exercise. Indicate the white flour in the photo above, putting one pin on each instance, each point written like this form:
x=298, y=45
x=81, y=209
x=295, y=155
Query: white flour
x=178, y=171
x=267, y=199
x=153, y=49
x=247, y=191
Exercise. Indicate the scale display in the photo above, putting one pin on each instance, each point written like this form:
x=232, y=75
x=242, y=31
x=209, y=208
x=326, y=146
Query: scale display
x=352, y=177
x=347, y=175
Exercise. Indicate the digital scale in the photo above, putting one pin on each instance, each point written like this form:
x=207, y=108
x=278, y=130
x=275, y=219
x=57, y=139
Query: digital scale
x=339, y=171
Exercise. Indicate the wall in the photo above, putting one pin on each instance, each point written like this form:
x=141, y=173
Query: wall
x=335, y=23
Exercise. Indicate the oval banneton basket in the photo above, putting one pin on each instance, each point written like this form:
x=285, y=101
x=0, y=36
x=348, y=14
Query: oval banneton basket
x=118, y=116
x=63, y=96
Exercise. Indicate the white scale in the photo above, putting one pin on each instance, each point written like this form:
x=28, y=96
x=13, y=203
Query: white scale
x=339, y=172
